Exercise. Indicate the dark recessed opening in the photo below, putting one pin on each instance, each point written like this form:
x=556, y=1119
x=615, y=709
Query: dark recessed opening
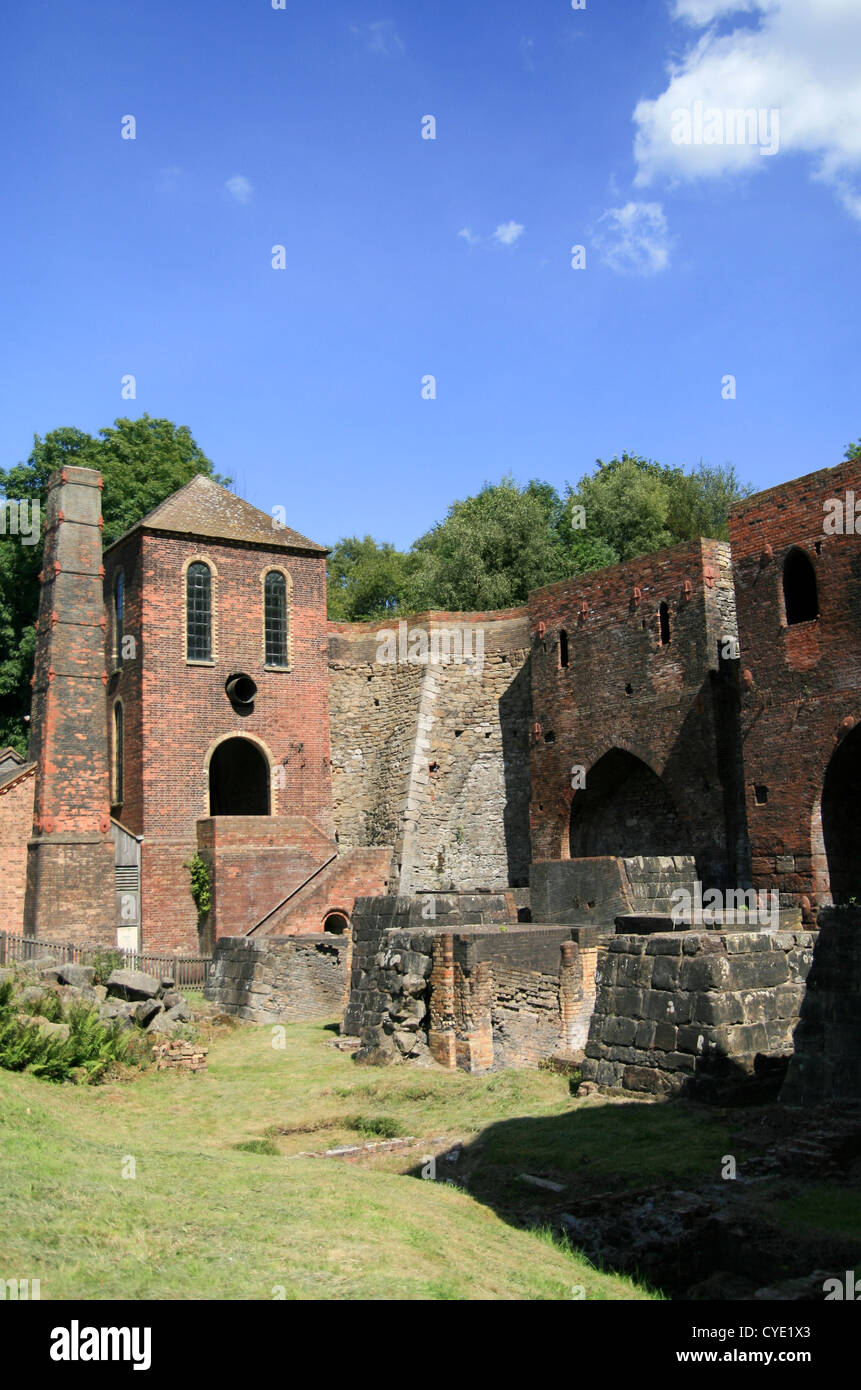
x=458, y=732
x=563, y=648
x=336, y=923
x=629, y=689
x=818, y=547
x=800, y=598
x=549, y=737
x=761, y=794
x=664, y=618
x=433, y=767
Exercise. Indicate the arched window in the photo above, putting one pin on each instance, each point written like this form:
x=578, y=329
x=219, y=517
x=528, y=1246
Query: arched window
x=800, y=599
x=118, y=754
x=198, y=610
x=119, y=602
x=563, y=647
x=275, y=618
x=664, y=616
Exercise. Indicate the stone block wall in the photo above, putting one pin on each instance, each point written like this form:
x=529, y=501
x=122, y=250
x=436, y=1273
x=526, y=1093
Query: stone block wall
x=280, y=980
x=706, y=1013
x=826, y=1064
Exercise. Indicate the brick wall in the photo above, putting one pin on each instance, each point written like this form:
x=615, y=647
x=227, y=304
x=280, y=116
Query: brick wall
x=16, y=820
x=628, y=694
x=176, y=714
x=800, y=682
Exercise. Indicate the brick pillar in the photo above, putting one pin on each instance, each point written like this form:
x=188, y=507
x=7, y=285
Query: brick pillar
x=571, y=996
x=473, y=1017
x=441, y=1040
x=70, y=858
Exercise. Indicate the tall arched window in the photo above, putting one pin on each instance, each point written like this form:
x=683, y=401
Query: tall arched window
x=118, y=754
x=800, y=598
x=275, y=618
x=664, y=619
x=119, y=601
x=198, y=610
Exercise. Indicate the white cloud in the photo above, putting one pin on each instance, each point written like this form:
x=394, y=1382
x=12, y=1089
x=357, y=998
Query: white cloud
x=467, y=234
x=799, y=60
x=527, y=53
x=507, y=233
x=701, y=12
x=634, y=239
x=379, y=37
x=239, y=188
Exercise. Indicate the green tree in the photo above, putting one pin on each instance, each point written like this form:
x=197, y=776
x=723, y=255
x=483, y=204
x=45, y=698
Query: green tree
x=141, y=462
x=365, y=579
x=490, y=550
x=853, y=453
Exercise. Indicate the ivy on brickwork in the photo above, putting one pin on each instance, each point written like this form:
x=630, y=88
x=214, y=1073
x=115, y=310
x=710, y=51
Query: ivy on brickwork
x=201, y=885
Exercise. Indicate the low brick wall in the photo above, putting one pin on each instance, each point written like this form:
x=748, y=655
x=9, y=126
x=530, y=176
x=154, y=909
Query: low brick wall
x=280, y=980
x=826, y=1064
x=708, y=1013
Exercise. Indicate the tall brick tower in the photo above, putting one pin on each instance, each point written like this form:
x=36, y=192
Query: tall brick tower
x=70, y=858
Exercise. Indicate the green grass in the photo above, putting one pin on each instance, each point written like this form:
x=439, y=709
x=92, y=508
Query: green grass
x=206, y=1218
x=823, y=1208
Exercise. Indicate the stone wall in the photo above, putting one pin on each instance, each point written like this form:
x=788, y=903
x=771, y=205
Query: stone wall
x=280, y=980
x=433, y=758
x=826, y=1064
x=707, y=1013
x=478, y=997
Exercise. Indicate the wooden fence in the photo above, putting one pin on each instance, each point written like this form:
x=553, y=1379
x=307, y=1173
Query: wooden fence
x=186, y=971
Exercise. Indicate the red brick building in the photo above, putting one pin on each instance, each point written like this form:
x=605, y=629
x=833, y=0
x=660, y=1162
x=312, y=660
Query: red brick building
x=700, y=704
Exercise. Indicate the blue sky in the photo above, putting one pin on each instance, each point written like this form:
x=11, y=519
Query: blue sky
x=301, y=127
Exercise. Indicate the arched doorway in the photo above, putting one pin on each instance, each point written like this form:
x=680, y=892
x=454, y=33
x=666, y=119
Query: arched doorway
x=337, y=923
x=625, y=810
x=841, y=818
x=238, y=779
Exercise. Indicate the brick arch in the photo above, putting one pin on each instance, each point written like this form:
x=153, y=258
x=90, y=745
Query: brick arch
x=836, y=821
x=566, y=801
x=261, y=747
x=625, y=809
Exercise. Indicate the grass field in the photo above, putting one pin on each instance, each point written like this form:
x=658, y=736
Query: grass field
x=202, y=1218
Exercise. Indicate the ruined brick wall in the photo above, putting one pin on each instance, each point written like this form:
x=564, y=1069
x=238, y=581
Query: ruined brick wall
x=625, y=690
x=478, y=995
x=704, y=1013
x=800, y=682
x=433, y=758
x=286, y=980
x=16, y=820
x=177, y=713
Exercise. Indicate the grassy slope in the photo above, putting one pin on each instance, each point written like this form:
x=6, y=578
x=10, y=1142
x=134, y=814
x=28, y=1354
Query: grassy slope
x=202, y=1220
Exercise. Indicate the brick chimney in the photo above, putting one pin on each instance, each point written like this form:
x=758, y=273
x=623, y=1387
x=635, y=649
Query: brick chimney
x=70, y=858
